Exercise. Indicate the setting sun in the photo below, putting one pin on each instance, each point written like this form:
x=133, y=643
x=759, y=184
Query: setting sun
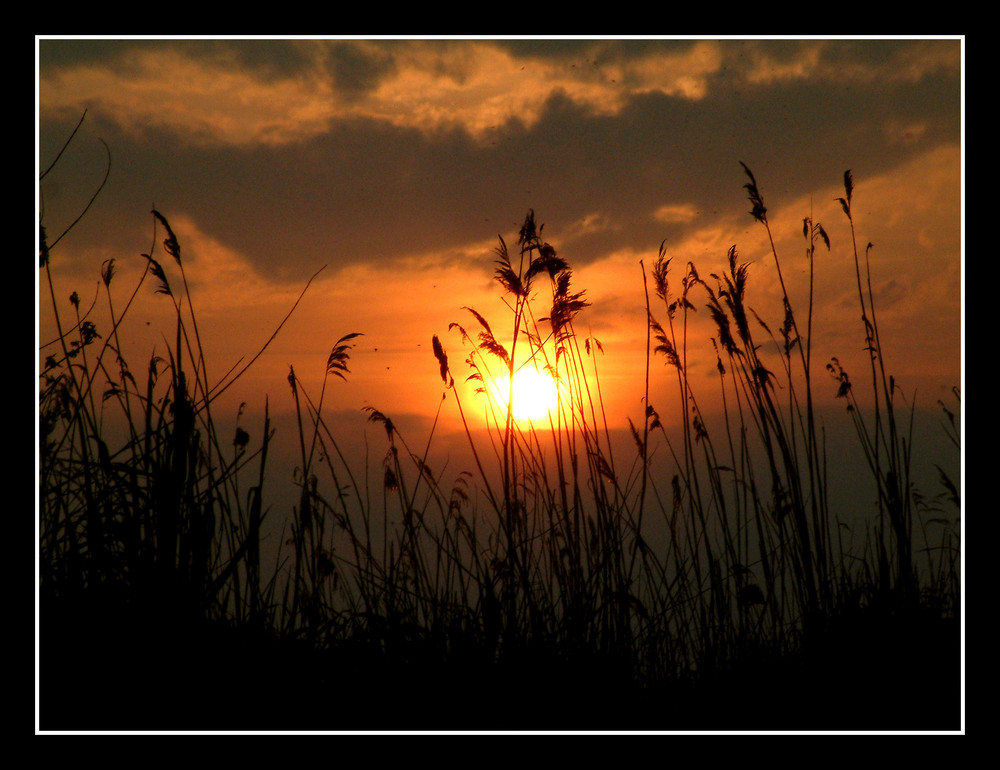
x=535, y=393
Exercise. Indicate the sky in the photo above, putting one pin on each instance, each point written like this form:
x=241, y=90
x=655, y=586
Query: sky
x=387, y=169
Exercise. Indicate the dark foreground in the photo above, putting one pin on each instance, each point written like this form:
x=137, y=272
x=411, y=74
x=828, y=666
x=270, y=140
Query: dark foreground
x=105, y=673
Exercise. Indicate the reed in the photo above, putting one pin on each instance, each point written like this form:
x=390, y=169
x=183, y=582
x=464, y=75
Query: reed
x=543, y=560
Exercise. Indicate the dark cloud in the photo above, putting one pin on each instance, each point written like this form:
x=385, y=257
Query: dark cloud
x=358, y=69
x=369, y=191
x=583, y=51
x=56, y=53
x=267, y=59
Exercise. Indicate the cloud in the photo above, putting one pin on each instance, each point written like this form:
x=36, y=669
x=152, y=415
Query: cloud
x=214, y=94
x=278, y=92
x=208, y=100
x=679, y=212
x=842, y=61
x=220, y=277
x=905, y=133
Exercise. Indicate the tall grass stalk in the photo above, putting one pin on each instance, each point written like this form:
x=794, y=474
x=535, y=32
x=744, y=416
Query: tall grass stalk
x=710, y=542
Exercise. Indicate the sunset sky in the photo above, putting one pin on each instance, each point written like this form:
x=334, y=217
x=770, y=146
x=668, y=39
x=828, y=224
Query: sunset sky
x=394, y=164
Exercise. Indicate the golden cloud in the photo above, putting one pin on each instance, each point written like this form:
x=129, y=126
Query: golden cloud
x=207, y=101
x=474, y=85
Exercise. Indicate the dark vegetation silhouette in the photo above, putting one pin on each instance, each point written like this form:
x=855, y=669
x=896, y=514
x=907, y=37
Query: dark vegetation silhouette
x=525, y=592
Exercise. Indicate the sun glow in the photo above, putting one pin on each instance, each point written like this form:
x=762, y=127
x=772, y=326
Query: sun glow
x=535, y=394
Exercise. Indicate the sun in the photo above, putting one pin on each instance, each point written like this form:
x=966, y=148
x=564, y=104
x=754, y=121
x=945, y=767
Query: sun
x=535, y=393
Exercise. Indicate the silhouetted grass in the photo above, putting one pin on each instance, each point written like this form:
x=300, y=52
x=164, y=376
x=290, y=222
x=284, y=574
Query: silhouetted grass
x=525, y=592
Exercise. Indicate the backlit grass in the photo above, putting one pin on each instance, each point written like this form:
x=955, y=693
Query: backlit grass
x=556, y=582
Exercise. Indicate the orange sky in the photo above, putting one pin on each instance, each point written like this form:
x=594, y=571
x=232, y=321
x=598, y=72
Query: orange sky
x=394, y=165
